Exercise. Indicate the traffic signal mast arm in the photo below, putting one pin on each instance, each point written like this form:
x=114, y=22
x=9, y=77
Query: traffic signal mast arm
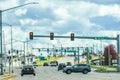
x=78, y=37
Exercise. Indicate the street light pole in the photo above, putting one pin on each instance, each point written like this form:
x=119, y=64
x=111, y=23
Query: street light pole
x=1, y=29
x=1, y=42
x=78, y=55
x=24, y=52
x=12, y=50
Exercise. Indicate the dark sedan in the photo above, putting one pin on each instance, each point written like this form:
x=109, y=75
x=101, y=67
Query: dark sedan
x=46, y=64
x=27, y=69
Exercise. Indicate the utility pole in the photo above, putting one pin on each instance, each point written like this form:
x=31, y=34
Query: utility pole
x=1, y=54
x=87, y=55
x=118, y=51
x=61, y=50
x=4, y=48
x=78, y=55
x=27, y=52
x=54, y=54
x=24, y=51
x=12, y=50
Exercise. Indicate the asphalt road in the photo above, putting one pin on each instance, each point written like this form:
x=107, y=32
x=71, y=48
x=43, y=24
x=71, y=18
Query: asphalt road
x=51, y=73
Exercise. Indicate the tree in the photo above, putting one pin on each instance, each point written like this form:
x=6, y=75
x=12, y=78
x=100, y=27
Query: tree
x=109, y=52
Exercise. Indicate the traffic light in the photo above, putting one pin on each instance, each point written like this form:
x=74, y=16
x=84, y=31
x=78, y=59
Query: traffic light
x=17, y=51
x=9, y=51
x=56, y=50
x=31, y=35
x=72, y=36
x=39, y=50
x=74, y=53
x=65, y=50
x=48, y=50
x=51, y=36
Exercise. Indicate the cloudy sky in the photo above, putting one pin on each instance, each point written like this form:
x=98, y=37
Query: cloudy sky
x=81, y=17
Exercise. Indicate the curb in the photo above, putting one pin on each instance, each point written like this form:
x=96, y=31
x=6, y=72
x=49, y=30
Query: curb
x=8, y=76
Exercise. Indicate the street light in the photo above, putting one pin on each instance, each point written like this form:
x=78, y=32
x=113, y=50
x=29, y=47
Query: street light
x=1, y=28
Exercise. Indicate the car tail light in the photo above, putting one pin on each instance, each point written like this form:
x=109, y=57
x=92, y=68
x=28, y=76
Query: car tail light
x=32, y=68
x=23, y=69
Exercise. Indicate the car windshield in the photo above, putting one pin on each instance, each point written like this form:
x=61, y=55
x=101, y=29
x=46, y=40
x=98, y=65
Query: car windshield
x=27, y=66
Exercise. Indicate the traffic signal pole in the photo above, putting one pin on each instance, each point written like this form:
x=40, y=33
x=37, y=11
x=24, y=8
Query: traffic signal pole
x=118, y=51
x=86, y=37
x=78, y=55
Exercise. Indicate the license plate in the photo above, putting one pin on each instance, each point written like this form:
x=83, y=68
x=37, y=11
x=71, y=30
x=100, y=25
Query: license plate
x=27, y=69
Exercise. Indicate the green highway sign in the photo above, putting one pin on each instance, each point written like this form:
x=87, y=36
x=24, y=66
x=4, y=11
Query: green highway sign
x=101, y=38
x=71, y=50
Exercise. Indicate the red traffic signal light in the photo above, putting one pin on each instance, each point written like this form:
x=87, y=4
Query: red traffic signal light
x=31, y=35
x=51, y=36
x=72, y=36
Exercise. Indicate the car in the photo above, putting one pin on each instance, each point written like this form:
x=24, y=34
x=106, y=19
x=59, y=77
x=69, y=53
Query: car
x=53, y=63
x=61, y=66
x=46, y=64
x=84, y=68
x=28, y=69
x=23, y=62
x=35, y=64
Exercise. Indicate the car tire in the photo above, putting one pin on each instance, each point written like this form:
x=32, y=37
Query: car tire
x=34, y=74
x=21, y=74
x=69, y=72
x=85, y=71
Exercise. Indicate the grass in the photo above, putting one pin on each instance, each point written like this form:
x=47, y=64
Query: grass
x=104, y=68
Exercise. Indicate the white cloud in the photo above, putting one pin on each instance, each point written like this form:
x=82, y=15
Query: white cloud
x=113, y=10
x=77, y=11
x=28, y=22
x=8, y=4
x=59, y=22
x=62, y=13
x=109, y=33
x=20, y=12
x=43, y=3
